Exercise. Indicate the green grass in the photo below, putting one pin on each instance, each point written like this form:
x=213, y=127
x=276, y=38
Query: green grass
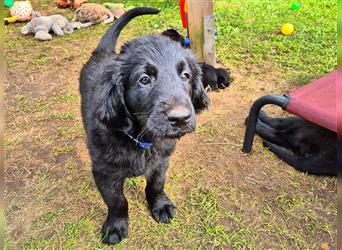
x=9, y=143
x=135, y=183
x=66, y=149
x=31, y=105
x=205, y=130
x=62, y=117
x=69, y=97
x=249, y=36
x=52, y=215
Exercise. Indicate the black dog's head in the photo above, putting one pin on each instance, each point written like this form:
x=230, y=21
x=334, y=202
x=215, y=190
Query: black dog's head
x=155, y=87
x=174, y=35
x=223, y=78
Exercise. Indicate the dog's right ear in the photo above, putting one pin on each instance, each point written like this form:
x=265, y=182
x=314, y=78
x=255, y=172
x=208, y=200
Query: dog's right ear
x=112, y=110
x=199, y=97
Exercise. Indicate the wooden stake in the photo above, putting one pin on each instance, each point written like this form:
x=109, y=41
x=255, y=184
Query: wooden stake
x=209, y=40
x=197, y=10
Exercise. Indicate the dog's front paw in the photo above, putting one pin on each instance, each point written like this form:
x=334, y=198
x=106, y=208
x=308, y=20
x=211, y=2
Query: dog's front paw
x=163, y=210
x=114, y=231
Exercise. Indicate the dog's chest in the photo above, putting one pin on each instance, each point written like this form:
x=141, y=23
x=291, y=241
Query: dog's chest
x=155, y=157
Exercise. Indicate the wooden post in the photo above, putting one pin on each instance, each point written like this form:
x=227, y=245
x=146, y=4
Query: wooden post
x=201, y=25
x=209, y=40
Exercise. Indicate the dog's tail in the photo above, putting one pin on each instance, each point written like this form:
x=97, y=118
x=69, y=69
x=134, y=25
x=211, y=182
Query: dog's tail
x=108, y=41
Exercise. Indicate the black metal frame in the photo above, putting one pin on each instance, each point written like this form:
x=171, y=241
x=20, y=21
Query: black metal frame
x=281, y=101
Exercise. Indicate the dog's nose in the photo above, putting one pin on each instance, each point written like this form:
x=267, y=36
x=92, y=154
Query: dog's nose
x=179, y=116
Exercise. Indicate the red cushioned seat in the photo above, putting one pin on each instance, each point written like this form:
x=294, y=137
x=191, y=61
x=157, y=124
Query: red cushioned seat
x=316, y=102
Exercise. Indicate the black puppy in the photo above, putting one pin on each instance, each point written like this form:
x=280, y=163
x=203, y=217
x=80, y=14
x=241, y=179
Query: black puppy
x=212, y=78
x=305, y=146
x=135, y=106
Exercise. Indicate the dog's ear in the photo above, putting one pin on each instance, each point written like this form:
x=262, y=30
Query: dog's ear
x=199, y=97
x=112, y=110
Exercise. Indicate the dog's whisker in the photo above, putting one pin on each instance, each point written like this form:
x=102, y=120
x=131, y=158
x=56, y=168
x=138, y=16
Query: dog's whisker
x=146, y=130
x=143, y=131
x=142, y=113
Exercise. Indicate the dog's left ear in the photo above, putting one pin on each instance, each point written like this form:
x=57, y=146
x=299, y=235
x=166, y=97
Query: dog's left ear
x=199, y=97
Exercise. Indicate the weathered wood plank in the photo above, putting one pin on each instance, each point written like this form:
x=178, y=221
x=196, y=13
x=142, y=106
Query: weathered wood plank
x=209, y=40
x=197, y=9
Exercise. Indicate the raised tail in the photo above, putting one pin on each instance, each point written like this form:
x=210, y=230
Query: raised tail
x=108, y=41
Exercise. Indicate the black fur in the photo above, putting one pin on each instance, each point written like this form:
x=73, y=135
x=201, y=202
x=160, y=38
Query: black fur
x=212, y=78
x=223, y=78
x=305, y=146
x=209, y=77
x=151, y=91
x=174, y=35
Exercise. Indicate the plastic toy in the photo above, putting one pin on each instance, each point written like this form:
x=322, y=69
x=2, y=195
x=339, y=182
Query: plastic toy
x=22, y=10
x=287, y=29
x=77, y=3
x=67, y=3
x=8, y=3
x=184, y=17
x=187, y=42
x=9, y=20
x=295, y=6
x=183, y=12
x=63, y=3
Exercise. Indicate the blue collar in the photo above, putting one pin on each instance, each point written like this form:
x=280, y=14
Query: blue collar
x=140, y=144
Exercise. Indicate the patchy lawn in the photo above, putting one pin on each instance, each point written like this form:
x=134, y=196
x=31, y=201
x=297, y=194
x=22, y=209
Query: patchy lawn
x=224, y=199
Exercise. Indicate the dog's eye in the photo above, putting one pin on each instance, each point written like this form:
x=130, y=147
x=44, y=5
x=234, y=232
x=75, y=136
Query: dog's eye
x=145, y=80
x=185, y=76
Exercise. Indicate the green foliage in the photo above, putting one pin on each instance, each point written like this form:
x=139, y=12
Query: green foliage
x=249, y=36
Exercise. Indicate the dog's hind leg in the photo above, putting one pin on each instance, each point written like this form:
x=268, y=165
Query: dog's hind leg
x=110, y=185
x=276, y=123
x=268, y=133
x=305, y=165
x=162, y=208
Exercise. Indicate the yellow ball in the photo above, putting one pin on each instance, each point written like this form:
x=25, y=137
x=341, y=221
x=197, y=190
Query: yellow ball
x=287, y=29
